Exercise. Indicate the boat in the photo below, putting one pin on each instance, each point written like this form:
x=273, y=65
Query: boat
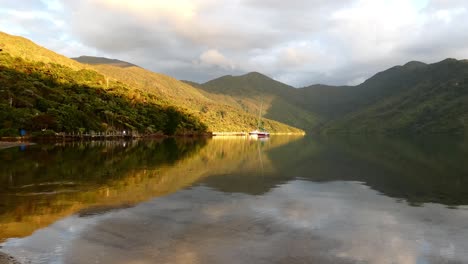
x=259, y=132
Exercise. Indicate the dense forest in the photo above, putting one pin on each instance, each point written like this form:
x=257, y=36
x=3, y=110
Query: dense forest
x=217, y=113
x=42, y=90
x=415, y=98
x=278, y=100
x=48, y=97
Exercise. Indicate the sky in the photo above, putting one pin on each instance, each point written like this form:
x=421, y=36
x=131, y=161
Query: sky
x=299, y=42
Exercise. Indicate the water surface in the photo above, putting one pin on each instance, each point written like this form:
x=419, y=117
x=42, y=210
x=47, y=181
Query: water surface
x=234, y=200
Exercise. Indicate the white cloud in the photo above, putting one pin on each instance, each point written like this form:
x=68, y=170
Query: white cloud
x=304, y=42
x=213, y=57
x=447, y=15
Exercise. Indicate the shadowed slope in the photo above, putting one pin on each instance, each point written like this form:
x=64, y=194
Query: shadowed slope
x=414, y=98
x=102, y=60
x=218, y=113
x=134, y=84
x=250, y=91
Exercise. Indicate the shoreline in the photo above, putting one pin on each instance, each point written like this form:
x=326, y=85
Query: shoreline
x=245, y=134
x=84, y=137
x=11, y=144
x=7, y=259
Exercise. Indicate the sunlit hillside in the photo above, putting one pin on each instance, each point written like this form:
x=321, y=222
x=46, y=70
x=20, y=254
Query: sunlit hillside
x=44, y=90
x=24, y=48
x=219, y=114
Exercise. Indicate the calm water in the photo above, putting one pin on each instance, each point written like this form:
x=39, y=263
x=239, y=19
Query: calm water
x=284, y=200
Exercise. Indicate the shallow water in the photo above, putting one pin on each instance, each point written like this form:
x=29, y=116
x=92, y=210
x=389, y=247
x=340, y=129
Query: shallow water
x=234, y=200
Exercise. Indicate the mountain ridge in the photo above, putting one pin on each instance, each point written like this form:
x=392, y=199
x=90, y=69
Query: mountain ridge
x=411, y=98
x=26, y=49
x=102, y=60
x=46, y=90
x=332, y=106
x=218, y=115
x=254, y=92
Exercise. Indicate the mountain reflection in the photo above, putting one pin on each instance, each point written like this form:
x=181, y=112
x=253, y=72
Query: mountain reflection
x=44, y=183
x=418, y=171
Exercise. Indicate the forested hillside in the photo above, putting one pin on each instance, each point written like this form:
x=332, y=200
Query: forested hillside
x=37, y=96
x=251, y=91
x=45, y=92
x=415, y=98
x=412, y=98
x=218, y=113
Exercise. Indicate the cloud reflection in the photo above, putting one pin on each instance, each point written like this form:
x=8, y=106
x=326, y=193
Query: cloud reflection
x=298, y=222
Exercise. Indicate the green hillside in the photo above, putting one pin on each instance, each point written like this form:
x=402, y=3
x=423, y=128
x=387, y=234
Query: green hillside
x=414, y=98
x=38, y=96
x=251, y=91
x=334, y=102
x=327, y=102
x=41, y=90
x=44, y=90
x=218, y=114
x=24, y=48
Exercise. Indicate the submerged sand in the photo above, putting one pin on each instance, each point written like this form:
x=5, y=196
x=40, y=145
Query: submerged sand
x=7, y=259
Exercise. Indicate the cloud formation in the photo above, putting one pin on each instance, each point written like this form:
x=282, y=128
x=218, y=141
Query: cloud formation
x=297, y=41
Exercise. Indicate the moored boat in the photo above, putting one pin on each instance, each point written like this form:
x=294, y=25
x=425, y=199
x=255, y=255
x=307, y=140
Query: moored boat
x=257, y=133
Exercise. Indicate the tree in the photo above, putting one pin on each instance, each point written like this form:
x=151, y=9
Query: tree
x=44, y=121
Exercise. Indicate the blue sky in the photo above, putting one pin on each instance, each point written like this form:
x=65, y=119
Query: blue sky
x=300, y=42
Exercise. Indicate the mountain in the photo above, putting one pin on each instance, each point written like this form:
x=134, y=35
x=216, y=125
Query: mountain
x=414, y=98
x=251, y=91
x=411, y=98
x=27, y=50
x=42, y=90
x=45, y=90
x=218, y=115
x=333, y=102
x=101, y=60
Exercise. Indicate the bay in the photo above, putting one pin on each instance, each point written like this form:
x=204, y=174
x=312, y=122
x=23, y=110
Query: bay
x=237, y=200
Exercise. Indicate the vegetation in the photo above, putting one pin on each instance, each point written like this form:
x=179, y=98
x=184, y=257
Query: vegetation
x=217, y=113
x=28, y=50
x=251, y=91
x=413, y=98
x=44, y=90
x=38, y=96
